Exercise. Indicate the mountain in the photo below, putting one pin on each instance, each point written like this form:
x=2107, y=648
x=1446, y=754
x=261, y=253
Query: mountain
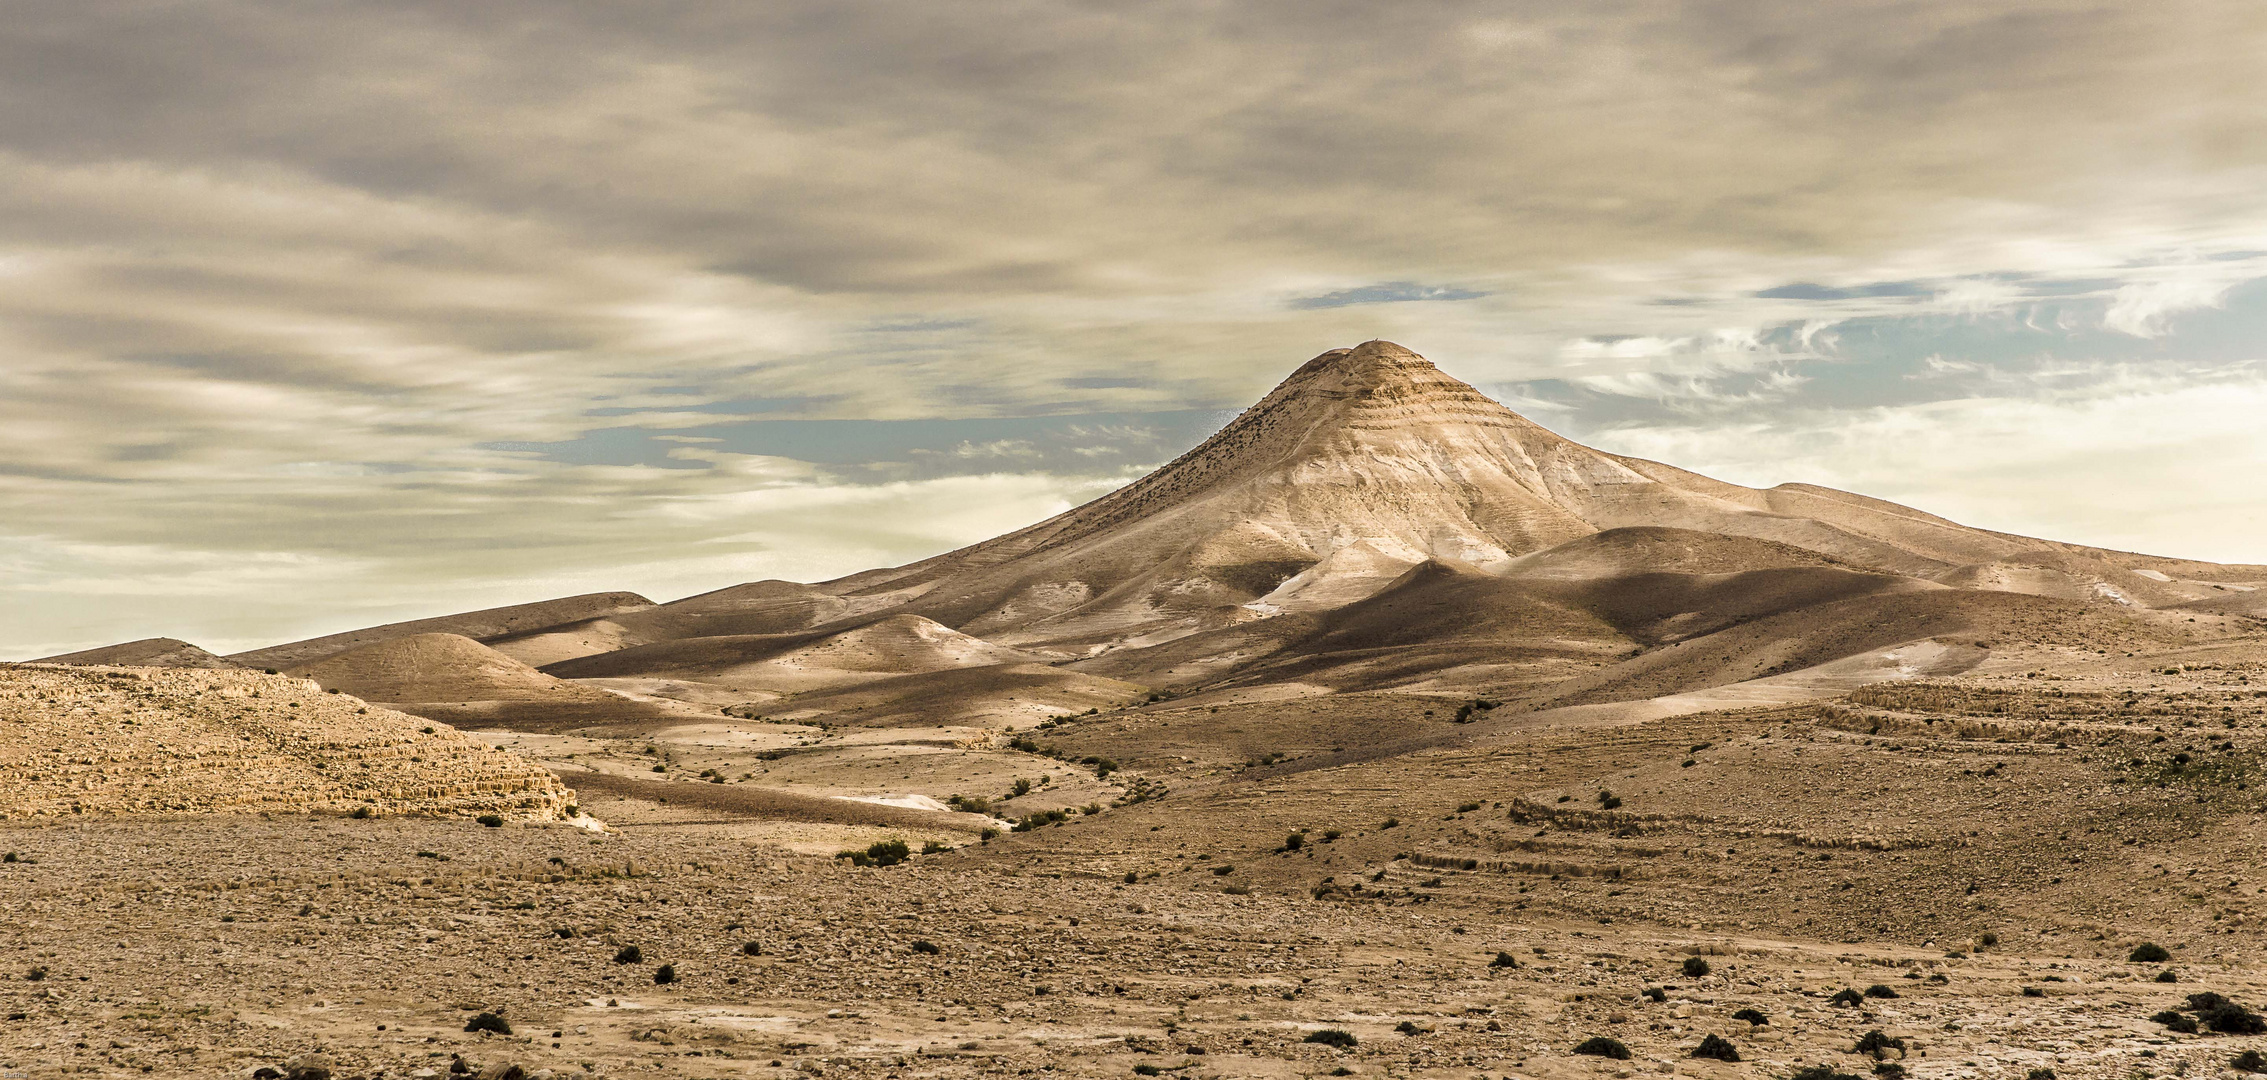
x=1372, y=524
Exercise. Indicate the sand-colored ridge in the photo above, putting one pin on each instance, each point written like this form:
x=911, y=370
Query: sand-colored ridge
x=159, y=741
x=148, y=652
x=438, y=668
x=486, y=623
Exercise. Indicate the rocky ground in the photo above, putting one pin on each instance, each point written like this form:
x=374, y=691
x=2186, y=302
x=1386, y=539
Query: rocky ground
x=1981, y=868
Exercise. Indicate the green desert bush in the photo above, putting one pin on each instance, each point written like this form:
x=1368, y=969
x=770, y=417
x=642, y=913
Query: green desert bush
x=629, y=954
x=1695, y=967
x=2148, y=952
x=1344, y=1040
x=1717, y=1048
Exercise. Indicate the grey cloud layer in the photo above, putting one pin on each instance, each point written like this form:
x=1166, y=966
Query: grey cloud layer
x=282, y=285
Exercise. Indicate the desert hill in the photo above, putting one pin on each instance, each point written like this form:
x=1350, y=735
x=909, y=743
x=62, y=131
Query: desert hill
x=88, y=740
x=437, y=667
x=896, y=645
x=486, y=623
x=148, y=652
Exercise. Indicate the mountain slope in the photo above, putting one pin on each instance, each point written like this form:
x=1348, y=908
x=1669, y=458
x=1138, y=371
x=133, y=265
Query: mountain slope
x=438, y=667
x=490, y=622
x=160, y=652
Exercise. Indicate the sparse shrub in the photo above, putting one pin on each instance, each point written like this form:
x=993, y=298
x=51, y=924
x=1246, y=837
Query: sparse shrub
x=1607, y=800
x=1041, y=820
x=752, y=948
x=490, y=820
x=11, y=857
x=2226, y=1017
x=1104, y=767
x=2034, y=991
x=1987, y=939
x=629, y=954
x=2167, y=976
x=1601, y=1046
x=970, y=804
x=2176, y=1022
x=1820, y=1072
x=1466, y=808
x=1389, y=823
x=1846, y=996
x=35, y=975
x=1879, y=1044
x=926, y=947
x=1344, y=1040
x=1888, y=1070
x=2148, y=952
x=1223, y=870
x=1132, y=876
x=1695, y=967
x=931, y=847
x=1022, y=788
x=1238, y=890
x=1877, y=990
x=1148, y=1070
x=361, y=813
x=1717, y=1048
x=1655, y=994
x=488, y=1021
x=888, y=852
x=665, y=974
x=2249, y=1061
x=2039, y=1074
x=1754, y=1018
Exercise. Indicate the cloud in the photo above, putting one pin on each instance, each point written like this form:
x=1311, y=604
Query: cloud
x=2166, y=465
x=1391, y=292
x=1804, y=290
x=2143, y=309
x=435, y=297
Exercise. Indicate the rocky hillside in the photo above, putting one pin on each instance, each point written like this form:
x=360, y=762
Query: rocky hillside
x=82, y=740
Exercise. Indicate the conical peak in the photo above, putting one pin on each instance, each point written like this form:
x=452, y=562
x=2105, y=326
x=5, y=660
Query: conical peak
x=1369, y=365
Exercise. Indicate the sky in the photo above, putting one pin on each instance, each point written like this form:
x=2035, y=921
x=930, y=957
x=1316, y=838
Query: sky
x=319, y=315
